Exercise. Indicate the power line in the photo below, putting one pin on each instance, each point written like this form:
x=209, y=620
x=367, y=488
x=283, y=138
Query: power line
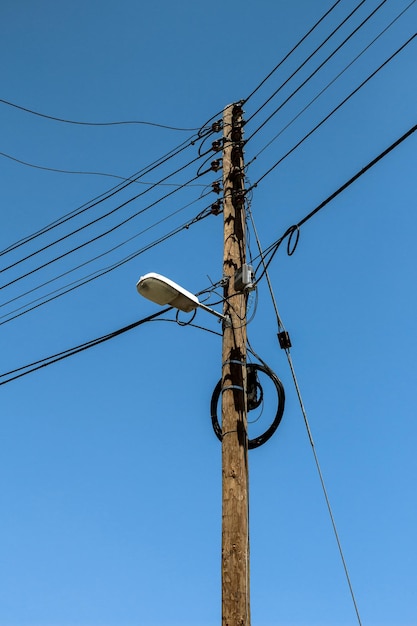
x=29, y=368
x=103, y=234
x=362, y=84
x=290, y=52
x=358, y=175
x=99, y=273
x=95, y=221
x=322, y=64
x=80, y=123
x=336, y=78
x=102, y=197
x=273, y=248
x=60, y=356
x=80, y=172
x=101, y=255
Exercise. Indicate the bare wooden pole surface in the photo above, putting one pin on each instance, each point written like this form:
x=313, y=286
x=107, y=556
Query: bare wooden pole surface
x=235, y=523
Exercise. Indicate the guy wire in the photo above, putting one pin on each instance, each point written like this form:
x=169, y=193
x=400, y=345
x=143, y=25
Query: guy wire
x=307, y=425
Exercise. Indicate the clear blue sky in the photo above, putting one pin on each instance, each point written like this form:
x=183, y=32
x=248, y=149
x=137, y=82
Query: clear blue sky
x=110, y=472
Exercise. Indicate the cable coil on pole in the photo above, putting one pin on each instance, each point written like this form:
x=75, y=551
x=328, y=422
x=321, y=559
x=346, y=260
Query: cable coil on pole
x=253, y=403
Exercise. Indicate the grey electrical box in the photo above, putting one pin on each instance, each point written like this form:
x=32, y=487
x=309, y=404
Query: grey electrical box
x=245, y=278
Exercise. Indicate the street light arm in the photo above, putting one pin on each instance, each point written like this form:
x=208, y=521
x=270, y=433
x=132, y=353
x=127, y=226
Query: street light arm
x=213, y=312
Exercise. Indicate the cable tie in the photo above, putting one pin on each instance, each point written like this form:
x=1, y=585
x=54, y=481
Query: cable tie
x=235, y=362
x=232, y=387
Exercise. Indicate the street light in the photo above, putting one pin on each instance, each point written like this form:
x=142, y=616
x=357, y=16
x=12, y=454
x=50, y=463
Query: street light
x=162, y=290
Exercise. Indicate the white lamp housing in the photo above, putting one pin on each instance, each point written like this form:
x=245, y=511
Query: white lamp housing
x=163, y=291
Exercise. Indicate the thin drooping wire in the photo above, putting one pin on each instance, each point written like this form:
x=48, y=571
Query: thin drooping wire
x=291, y=52
x=207, y=330
x=91, y=277
x=95, y=258
x=304, y=109
x=271, y=250
x=79, y=123
x=306, y=422
x=362, y=84
x=85, y=173
x=95, y=221
x=102, y=197
x=320, y=66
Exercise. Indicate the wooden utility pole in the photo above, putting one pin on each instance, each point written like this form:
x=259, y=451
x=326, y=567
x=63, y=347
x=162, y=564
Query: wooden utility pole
x=235, y=526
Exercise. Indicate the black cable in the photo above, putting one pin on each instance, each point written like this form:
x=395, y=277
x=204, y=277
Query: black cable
x=197, y=326
x=363, y=83
x=95, y=221
x=81, y=172
x=85, y=346
x=91, y=277
x=99, y=256
x=317, y=96
x=54, y=358
x=210, y=120
x=102, y=197
x=273, y=248
x=279, y=388
x=78, y=123
x=357, y=175
x=322, y=64
x=290, y=52
x=60, y=356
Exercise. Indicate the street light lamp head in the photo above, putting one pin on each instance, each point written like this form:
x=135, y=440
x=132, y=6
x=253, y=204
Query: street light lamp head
x=163, y=291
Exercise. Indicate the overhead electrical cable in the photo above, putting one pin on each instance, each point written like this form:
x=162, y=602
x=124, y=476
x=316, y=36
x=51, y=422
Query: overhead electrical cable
x=34, y=366
x=102, y=254
x=101, y=198
x=322, y=64
x=88, y=205
x=272, y=249
x=291, y=52
x=92, y=239
x=95, y=221
x=80, y=123
x=307, y=60
x=362, y=84
x=84, y=173
x=382, y=32
x=60, y=356
x=99, y=273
